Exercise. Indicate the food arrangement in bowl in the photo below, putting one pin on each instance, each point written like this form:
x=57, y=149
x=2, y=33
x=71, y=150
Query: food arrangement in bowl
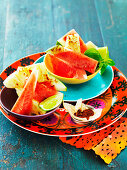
x=37, y=91
x=74, y=62
x=39, y=88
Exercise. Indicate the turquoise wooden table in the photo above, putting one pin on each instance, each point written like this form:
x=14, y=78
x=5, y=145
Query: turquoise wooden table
x=31, y=26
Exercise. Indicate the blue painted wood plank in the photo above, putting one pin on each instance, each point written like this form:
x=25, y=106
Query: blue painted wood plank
x=2, y=41
x=29, y=29
x=112, y=18
x=3, y=10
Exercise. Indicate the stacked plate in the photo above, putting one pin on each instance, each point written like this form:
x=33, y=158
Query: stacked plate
x=96, y=92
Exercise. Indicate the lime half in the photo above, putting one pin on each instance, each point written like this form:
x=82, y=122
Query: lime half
x=104, y=52
x=51, y=102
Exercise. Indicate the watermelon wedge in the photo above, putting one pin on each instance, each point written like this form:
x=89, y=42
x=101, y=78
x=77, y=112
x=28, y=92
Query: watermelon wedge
x=78, y=60
x=63, y=69
x=44, y=90
x=23, y=104
x=63, y=39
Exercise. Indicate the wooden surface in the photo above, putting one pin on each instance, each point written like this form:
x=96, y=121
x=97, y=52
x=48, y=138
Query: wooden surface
x=31, y=26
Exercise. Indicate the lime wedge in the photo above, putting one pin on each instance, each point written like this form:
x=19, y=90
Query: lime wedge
x=51, y=102
x=104, y=52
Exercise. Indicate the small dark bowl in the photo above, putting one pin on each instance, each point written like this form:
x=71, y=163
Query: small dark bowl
x=8, y=97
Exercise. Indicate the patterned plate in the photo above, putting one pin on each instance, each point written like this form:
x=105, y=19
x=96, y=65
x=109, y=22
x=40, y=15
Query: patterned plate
x=113, y=102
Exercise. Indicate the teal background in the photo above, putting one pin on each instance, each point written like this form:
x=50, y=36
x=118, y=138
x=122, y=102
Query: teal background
x=31, y=26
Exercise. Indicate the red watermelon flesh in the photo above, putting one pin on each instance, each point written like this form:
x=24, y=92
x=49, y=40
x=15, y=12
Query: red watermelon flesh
x=23, y=104
x=80, y=74
x=63, y=69
x=78, y=60
x=44, y=90
x=83, y=46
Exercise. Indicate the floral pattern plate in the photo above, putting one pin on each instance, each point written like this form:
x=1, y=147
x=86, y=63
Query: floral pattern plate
x=113, y=102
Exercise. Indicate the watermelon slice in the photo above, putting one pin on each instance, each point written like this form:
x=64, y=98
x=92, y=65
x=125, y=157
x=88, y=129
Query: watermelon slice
x=23, y=104
x=78, y=60
x=63, y=69
x=44, y=90
x=63, y=39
